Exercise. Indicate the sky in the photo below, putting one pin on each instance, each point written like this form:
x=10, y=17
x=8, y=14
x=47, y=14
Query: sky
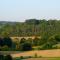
x=20, y=10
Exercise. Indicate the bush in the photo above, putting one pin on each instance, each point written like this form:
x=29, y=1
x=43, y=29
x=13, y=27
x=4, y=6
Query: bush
x=7, y=41
x=36, y=55
x=5, y=48
x=26, y=46
x=1, y=57
x=8, y=57
x=21, y=57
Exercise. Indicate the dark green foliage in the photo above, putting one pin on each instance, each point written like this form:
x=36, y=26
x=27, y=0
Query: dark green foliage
x=31, y=27
x=26, y=46
x=47, y=46
x=21, y=57
x=52, y=41
x=57, y=37
x=1, y=57
x=7, y=41
x=43, y=40
x=32, y=21
x=48, y=30
x=8, y=57
x=36, y=41
x=1, y=42
x=30, y=40
x=6, y=44
x=22, y=40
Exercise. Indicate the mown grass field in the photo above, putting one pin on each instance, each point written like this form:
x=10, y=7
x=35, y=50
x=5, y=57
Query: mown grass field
x=54, y=58
x=43, y=59
x=41, y=54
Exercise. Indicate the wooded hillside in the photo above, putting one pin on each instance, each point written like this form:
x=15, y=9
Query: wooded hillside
x=31, y=27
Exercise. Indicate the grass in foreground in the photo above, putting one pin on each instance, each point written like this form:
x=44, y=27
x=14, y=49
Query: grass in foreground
x=42, y=58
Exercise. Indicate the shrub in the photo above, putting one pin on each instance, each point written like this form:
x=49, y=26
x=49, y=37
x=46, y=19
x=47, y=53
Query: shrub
x=8, y=57
x=26, y=46
x=36, y=55
x=1, y=57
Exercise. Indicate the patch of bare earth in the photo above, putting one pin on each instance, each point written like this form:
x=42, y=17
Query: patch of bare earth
x=43, y=53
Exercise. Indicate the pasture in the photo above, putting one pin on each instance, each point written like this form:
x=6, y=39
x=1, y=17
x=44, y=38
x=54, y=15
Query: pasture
x=35, y=55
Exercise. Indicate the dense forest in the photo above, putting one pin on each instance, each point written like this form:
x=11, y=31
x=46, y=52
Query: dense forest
x=31, y=27
x=48, y=30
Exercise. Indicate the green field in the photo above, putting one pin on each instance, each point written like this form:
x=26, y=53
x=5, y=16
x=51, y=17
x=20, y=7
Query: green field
x=56, y=58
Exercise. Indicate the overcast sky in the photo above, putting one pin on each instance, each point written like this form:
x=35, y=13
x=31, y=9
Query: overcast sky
x=20, y=10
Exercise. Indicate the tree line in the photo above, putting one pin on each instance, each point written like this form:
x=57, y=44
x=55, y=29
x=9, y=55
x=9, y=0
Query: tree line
x=48, y=30
x=7, y=44
x=31, y=27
